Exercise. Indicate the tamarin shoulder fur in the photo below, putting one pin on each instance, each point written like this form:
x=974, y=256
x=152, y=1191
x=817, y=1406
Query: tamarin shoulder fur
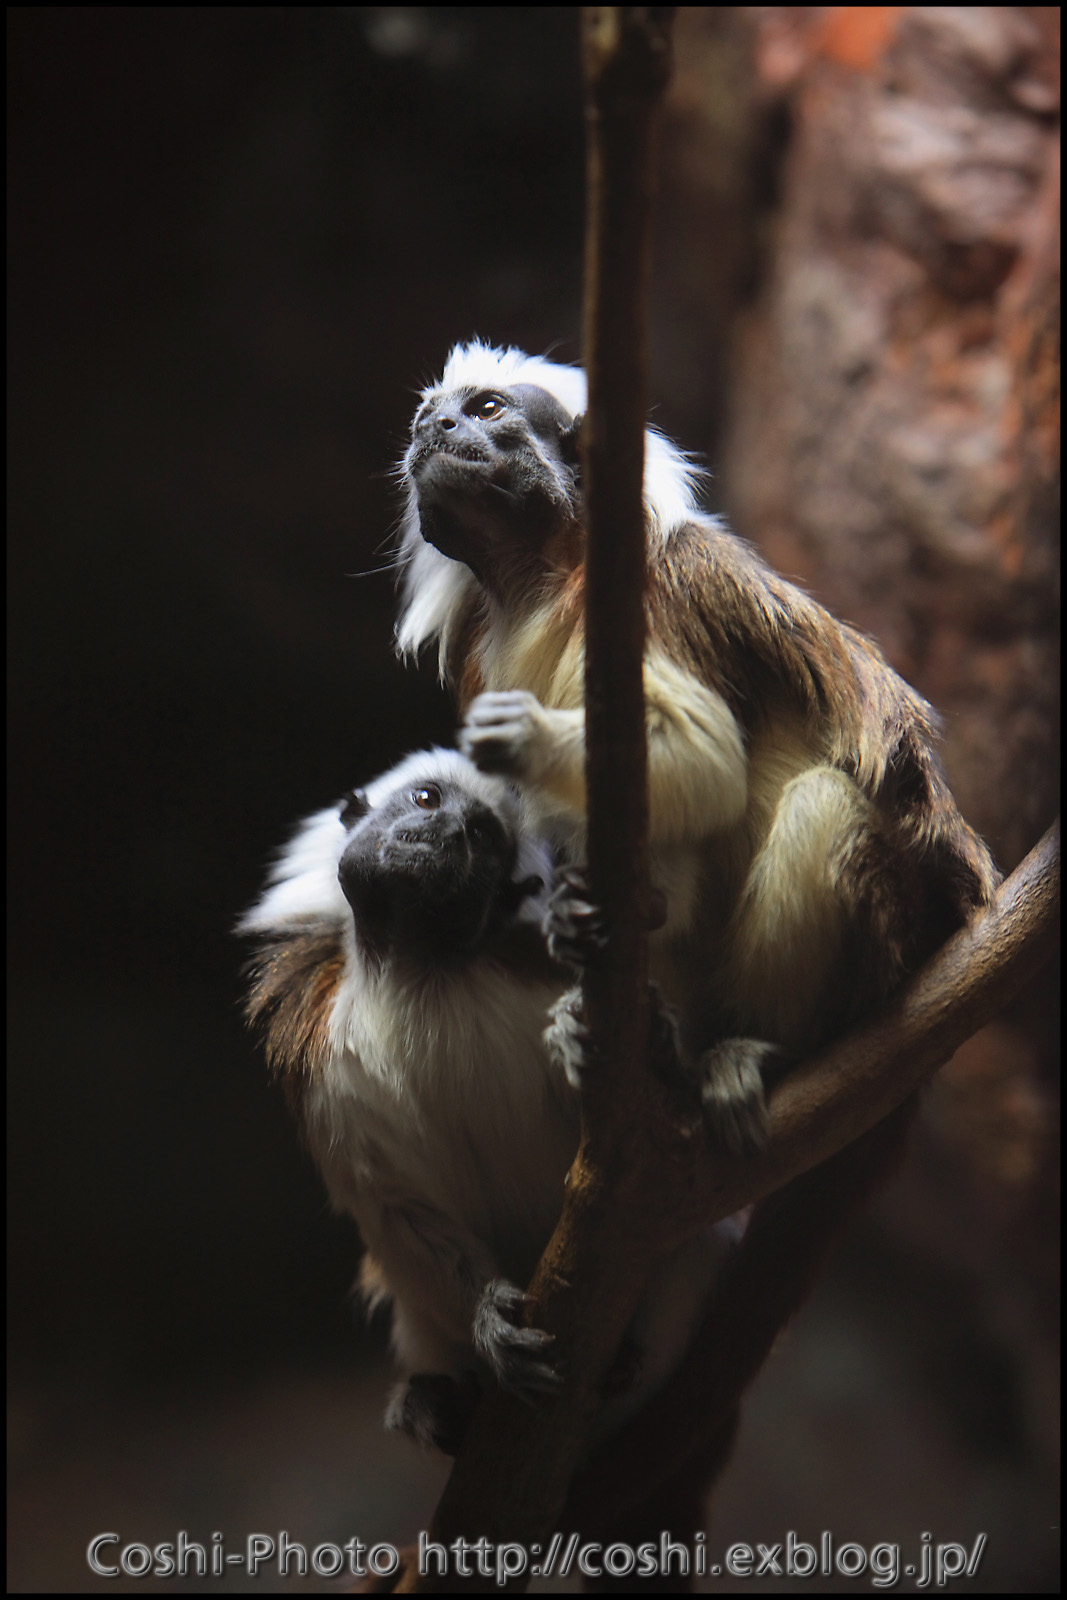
x=791, y=770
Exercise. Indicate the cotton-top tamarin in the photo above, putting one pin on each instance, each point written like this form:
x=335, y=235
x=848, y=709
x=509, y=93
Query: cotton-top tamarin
x=402, y=979
x=808, y=847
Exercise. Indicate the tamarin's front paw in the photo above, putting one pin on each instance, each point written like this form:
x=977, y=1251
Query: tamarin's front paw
x=434, y=1409
x=574, y=927
x=515, y=1353
x=730, y=1078
x=568, y=1040
x=572, y=1046
x=502, y=732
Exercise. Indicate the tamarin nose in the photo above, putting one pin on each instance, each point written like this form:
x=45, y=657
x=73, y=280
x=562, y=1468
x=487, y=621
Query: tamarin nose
x=437, y=422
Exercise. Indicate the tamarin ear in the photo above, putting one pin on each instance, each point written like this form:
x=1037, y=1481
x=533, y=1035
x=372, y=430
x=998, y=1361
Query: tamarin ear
x=569, y=443
x=354, y=806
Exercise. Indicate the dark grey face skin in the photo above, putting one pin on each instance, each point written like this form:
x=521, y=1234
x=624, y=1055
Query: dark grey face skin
x=429, y=872
x=496, y=473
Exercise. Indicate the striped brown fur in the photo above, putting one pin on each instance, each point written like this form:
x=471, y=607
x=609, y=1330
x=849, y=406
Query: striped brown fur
x=292, y=981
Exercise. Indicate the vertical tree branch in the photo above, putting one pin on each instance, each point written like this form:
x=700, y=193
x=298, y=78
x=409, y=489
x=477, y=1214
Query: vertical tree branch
x=512, y=1478
x=626, y=67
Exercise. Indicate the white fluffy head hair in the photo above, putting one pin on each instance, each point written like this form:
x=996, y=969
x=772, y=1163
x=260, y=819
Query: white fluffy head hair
x=303, y=882
x=435, y=589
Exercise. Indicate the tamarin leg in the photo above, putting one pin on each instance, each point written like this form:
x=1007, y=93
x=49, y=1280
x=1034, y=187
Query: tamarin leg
x=816, y=936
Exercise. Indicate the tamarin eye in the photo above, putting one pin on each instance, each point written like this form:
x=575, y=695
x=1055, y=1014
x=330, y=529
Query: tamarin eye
x=427, y=799
x=486, y=406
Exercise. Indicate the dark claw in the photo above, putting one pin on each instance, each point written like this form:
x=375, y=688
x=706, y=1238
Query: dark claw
x=514, y=1353
x=574, y=927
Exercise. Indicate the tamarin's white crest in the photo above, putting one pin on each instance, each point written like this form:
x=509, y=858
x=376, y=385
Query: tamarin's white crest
x=435, y=589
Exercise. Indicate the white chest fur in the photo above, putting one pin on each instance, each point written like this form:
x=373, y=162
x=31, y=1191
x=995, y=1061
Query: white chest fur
x=445, y=1092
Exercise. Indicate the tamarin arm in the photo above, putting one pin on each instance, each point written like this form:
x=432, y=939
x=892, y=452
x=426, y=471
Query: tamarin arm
x=698, y=769
x=697, y=763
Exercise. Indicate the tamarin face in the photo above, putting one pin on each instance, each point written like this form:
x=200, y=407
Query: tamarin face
x=496, y=475
x=493, y=495
x=429, y=869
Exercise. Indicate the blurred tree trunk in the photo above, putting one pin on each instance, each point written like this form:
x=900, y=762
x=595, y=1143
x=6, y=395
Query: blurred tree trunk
x=884, y=211
x=861, y=218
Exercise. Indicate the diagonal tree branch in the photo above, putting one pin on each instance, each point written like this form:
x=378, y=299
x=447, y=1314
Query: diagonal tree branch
x=511, y=1481
x=831, y=1100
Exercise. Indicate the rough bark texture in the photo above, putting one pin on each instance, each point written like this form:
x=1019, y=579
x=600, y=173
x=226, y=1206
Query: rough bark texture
x=894, y=387
x=862, y=206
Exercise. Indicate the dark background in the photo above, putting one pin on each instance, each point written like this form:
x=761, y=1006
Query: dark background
x=240, y=238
